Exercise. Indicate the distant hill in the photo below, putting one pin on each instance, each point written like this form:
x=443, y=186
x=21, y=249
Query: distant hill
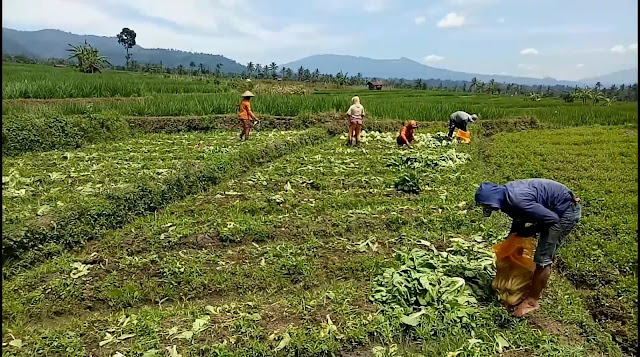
x=54, y=43
x=406, y=68
x=627, y=76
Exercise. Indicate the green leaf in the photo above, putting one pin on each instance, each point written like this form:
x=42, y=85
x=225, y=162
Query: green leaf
x=413, y=319
x=284, y=342
x=125, y=336
x=187, y=335
x=16, y=343
x=108, y=338
x=151, y=353
x=200, y=324
x=173, y=351
x=502, y=343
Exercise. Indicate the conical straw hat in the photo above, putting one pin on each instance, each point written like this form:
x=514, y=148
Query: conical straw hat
x=247, y=94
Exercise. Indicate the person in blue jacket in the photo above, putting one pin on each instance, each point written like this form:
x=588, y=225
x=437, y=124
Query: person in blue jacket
x=550, y=208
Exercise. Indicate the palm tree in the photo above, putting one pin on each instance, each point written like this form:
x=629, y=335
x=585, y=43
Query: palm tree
x=598, y=86
x=218, y=66
x=273, y=67
x=250, y=68
x=474, y=83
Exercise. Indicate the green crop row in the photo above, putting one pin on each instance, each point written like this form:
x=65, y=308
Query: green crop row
x=44, y=82
x=29, y=132
x=166, y=174
x=423, y=108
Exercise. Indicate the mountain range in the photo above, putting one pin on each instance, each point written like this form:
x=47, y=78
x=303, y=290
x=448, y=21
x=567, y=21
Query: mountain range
x=408, y=69
x=53, y=44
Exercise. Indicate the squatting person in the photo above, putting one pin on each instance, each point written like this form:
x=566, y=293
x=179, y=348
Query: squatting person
x=459, y=120
x=406, y=137
x=245, y=115
x=551, y=208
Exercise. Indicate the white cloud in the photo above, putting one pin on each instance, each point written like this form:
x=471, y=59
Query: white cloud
x=623, y=49
x=451, y=20
x=529, y=51
x=501, y=20
x=619, y=49
x=433, y=58
x=467, y=3
x=420, y=20
x=579, y=65
x=375, y=5
x=209, y=26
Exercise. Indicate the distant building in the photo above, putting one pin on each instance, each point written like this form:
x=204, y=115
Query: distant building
x=377, y=85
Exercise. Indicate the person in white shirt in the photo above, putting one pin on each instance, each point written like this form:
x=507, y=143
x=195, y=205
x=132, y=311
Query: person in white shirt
x=356, y=115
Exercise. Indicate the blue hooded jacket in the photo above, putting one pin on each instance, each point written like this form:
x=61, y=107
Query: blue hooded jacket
x=538, y=201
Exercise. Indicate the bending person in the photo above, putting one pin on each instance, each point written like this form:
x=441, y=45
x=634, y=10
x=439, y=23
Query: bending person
x=552, y=209
x=406, y=136
x=459, y=120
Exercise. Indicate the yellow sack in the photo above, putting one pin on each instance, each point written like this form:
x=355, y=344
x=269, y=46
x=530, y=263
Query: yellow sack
x=464, y=136
x=514, y=268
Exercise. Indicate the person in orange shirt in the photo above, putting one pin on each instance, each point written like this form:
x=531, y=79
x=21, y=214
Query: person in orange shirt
x=245, y=115
x=406, y=134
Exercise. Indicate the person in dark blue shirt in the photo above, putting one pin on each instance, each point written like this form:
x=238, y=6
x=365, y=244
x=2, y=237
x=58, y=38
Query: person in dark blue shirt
x=552, y=211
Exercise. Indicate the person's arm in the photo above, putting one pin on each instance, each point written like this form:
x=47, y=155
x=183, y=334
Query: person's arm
x=403, y=136
x=251, y=115
x=537, y=212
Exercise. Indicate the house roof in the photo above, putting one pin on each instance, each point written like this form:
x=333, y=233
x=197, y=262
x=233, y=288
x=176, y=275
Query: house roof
x=376, y=83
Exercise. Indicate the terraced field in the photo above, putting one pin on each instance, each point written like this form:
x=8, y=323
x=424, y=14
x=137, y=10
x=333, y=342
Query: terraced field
x=191, y=243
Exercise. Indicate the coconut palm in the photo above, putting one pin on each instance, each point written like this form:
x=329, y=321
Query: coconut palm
x=250, y=68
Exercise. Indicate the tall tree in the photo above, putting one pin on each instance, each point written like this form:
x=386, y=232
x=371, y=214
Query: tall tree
x=250, y=68
x=598, y=86
x=127, y=38
x=273, y=68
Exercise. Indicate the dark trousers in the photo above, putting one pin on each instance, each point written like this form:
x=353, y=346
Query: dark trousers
x=453, y=125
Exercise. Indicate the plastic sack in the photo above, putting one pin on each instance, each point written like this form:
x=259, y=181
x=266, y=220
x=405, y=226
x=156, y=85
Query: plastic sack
x=464, y=136
x=514, y=268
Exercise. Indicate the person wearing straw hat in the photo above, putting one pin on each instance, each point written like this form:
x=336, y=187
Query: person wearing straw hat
x=245, y=115
x=356, y=115
x=459, y=120
x=406, y=134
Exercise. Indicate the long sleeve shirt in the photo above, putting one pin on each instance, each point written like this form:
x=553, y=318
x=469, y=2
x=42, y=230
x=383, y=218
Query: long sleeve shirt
x=245, y=110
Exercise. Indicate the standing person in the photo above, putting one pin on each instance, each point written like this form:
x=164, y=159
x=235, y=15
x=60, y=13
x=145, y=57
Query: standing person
x=552, y=208
x=406, y=134
x=459, y=120
x=245, y=115
x=356, y=116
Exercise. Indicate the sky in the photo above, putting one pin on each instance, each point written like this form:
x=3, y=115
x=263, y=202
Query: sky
x=563, y=39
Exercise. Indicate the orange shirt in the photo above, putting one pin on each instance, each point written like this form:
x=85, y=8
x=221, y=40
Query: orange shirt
x=406, y=133
x=245, y=110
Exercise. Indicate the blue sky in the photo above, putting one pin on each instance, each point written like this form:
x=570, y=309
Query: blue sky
x=564, y=39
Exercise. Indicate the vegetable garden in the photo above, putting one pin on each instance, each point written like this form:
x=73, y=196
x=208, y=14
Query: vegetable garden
x=122, y=238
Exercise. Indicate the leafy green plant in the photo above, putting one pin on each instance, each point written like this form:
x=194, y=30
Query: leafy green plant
x=450, y=280
x=89, y=59
x=409, y=183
